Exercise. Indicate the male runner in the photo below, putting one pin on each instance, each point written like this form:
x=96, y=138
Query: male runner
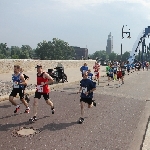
x=147, y=65
x=123, y=69
x=107, y=70
x=111, y=74
x=128, y=67
x=43, y=80
x=115, y=71
x=96, y=68
x=86, y=88
x=144, y=65
x=90, y=75
x=84, y=68
x=18, y=87
x=119, y=75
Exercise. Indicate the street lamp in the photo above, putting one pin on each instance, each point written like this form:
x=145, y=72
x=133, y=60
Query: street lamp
x=123, y=38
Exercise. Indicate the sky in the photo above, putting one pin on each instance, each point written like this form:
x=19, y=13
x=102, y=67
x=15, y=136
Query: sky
x=82, y=23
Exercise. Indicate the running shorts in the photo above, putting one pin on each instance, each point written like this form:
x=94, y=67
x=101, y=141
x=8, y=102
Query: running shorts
x=38, y=95
x=96, y=74
x=86, y=100
x=118, y=77
x=16, y=91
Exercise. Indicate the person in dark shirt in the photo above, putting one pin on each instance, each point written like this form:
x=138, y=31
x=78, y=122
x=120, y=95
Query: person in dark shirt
x=111, y=74
x=86, y=89
x=26, y=78
x=90, y=75
x=84, y=68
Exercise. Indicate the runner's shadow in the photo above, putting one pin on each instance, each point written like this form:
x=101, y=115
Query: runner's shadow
x=5, y=106
x=6, y=127
x=55, y=127
x=10, y=116
x=72, y=93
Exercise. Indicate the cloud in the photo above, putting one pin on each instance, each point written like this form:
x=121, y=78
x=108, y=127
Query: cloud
x=83, y=3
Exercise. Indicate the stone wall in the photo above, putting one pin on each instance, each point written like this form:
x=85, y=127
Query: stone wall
x=6, y=65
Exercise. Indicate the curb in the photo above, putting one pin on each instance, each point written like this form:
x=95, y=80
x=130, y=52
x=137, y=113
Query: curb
x=140, y=132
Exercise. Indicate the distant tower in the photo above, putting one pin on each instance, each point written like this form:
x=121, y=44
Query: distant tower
x=109, y=46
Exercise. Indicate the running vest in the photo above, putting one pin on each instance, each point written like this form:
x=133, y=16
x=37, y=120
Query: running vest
x=42, y=88
x=96, y=69
x=17, y=79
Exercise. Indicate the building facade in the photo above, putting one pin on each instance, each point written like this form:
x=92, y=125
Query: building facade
x=80, y=53
x=109, y=46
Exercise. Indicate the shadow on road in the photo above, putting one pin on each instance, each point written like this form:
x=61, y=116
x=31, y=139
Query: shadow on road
x=5, y=106
x=11, y=115
x=6, y=127
x=60, y=126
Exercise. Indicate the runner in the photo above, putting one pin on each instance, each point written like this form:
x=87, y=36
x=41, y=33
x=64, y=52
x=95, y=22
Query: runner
x=43, y=80
x=86, y=88
x=144, y=65
x=107, y=70
x=96, y=68
x=139, y=65
x=84, y=68
x=123, y=69
x=90, y=75
x=111, y=74
x=115, y=71
x=128, y=67
x=18, y=87
x=119, y=75
x=147, y=65
x=26, y=78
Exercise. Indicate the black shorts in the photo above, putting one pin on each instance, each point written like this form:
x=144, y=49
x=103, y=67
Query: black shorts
x=107, y=74
x=115, y=72
x=86, y=100
x=111, y=77
x=38, y=95
x=128, y=70
x=15, y=91
x=119, y=78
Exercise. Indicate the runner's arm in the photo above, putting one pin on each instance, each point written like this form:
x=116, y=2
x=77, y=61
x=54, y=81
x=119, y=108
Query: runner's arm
x=47, y=76
x=80, y=89
x=23, y=80
x=26, y=77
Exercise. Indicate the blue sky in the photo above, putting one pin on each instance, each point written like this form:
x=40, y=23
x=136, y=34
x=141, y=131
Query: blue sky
x=79, y=22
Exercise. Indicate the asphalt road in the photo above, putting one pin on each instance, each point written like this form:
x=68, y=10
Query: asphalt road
x=111, y=125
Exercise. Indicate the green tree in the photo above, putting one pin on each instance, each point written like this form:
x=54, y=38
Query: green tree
x=54, y=50
x=4, y=51
x=125, y=56
x=15, y=52
x=99, y=54
x=112, y=56
x=26, y=52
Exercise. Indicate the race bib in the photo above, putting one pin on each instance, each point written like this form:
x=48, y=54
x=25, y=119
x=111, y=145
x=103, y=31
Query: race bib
x=84, y=90
x=95, y=73
x=89, y=77
x=39, y=88
x=15, y=85
x=84, y=71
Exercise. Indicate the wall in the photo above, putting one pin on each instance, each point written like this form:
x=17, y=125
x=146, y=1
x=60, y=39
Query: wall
x=6, y=65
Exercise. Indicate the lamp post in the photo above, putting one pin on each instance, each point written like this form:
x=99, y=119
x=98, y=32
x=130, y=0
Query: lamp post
x=128, y=32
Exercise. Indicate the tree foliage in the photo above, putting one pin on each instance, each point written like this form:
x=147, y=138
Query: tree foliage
x=54, y=50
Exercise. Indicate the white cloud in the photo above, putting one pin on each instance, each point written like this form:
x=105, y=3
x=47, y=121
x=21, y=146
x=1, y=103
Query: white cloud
x=79, y=3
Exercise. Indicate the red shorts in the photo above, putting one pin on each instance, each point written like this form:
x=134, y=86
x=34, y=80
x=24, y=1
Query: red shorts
x=97, y=74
